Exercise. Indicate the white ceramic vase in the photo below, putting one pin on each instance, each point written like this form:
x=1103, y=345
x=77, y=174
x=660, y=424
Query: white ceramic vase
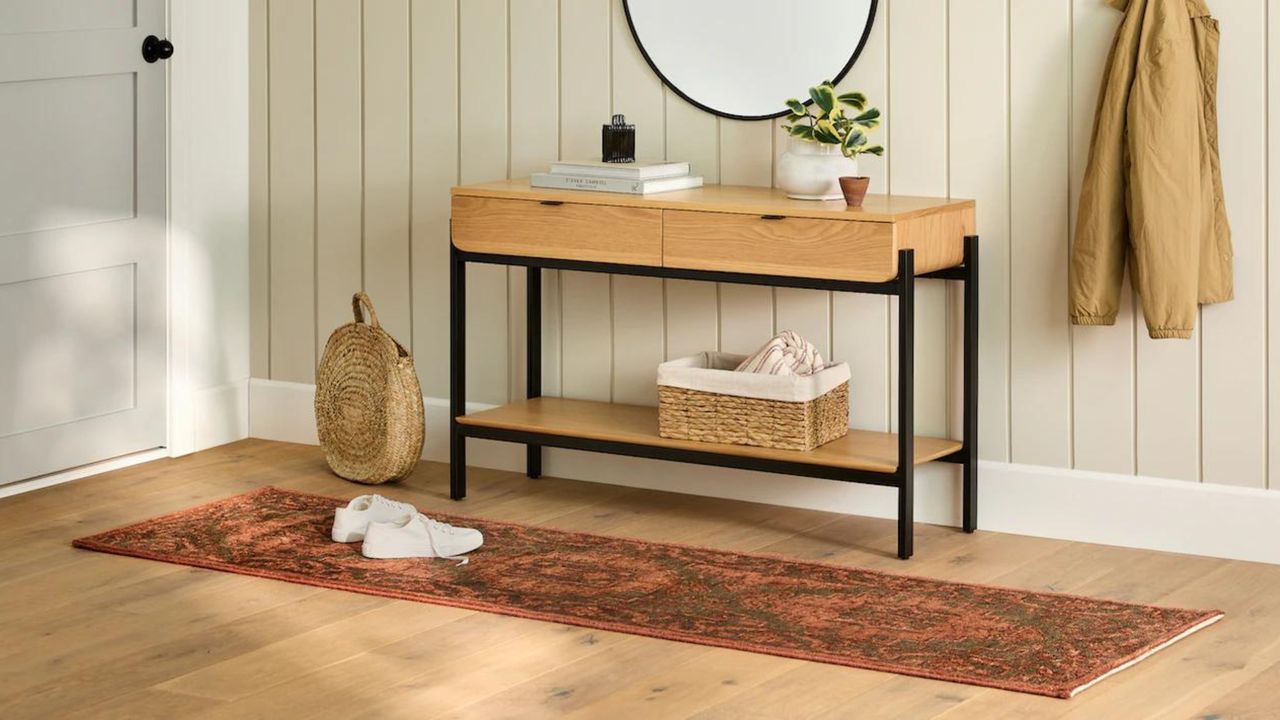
x=812, y=171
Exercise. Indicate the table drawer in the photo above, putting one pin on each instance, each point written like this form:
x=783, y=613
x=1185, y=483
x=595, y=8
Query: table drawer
x=595, y=233
x=772, y=245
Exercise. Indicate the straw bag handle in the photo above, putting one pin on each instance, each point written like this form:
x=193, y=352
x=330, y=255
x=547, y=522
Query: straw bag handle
x=361, y=299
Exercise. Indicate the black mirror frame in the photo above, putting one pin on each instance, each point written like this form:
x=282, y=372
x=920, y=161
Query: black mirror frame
x=857, y=51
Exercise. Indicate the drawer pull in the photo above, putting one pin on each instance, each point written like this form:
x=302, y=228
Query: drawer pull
x=551, y=202
x=772, y=217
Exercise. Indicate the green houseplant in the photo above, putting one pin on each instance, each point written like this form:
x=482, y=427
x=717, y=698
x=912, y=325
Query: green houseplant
x=827, y=138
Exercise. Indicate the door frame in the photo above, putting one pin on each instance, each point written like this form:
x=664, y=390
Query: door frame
x=207, y=222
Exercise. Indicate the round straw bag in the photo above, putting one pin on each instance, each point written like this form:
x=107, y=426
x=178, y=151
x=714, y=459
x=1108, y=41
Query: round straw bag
x=368, y=402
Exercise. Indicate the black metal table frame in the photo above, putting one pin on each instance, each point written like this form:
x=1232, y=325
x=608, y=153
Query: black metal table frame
x=903, y=287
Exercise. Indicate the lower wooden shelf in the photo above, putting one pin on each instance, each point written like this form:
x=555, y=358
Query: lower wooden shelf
x=859, y=450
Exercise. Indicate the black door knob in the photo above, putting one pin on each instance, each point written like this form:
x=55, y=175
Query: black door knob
x=153, y=49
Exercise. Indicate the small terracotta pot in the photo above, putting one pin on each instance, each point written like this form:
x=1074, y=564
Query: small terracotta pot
x=854, y=189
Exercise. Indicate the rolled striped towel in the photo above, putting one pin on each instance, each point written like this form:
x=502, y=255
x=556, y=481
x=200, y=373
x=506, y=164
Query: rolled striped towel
x=786, y=354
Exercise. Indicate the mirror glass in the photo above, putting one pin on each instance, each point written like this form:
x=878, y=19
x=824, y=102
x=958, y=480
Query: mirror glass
x=743, y=58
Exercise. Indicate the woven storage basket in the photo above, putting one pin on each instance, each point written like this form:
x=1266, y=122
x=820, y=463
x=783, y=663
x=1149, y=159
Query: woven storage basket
x=368, y=402
x=701, y=398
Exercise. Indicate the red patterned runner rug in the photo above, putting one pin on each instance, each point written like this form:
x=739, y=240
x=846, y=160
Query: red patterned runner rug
x=1034, y=642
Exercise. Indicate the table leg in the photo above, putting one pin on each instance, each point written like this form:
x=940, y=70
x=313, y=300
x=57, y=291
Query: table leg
x=533, y=359
x=906, y=402
x=970, y=492
x=457, y=373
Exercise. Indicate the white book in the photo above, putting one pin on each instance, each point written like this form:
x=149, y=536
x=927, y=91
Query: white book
x=642, y=170
x=597, y=184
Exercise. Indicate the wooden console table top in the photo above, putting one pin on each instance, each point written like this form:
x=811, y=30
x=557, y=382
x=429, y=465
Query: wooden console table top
x=729, y=198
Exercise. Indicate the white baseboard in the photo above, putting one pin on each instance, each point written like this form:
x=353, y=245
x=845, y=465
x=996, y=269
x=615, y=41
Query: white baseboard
x=1139, y=512
x=44, y=481
x=208, y=417
x=221, y=415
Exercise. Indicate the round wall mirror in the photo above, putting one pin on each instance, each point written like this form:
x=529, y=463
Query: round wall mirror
x=742, y=58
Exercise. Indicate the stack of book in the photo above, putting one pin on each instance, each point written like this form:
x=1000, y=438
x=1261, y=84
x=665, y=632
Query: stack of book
x=636, y=178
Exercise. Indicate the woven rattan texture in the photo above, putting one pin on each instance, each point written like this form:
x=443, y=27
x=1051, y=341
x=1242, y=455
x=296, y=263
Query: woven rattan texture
x=368, y=402
x=711, y=417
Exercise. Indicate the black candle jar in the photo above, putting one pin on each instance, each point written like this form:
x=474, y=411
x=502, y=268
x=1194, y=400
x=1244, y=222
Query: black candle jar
x=618, y=141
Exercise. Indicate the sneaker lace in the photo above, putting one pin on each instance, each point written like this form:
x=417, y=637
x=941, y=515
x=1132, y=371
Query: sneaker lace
x=392, y=504
x=438, y=526
x=446, y=529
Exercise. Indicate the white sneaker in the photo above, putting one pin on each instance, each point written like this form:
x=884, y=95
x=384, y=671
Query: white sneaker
x=350, y=522
x=419, y=536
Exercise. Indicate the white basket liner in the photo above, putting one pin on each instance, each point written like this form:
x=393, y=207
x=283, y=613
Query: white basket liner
x=713, y=372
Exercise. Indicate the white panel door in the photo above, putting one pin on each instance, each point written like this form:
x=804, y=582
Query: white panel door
x=82, y=234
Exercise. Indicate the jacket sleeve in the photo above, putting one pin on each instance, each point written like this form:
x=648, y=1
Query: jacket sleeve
x=1164, y=142
x=1101, y=233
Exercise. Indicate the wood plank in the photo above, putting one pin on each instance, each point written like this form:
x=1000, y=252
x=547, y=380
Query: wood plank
x=692, y=317
x=979, y=168
x=339, y=165
x=860, y=323
x=1102, y=365
x=1233, y=414
x=859, y=450
x=483, y=124
x=746, y=317
x=1168, y=397
x=534, y=47
x=744, y=156
x=860, y=337
x=552, y=333
x=483, y=671
x=693, y=136
x=636, y=90
x=259, y=193
x=386, y=164
x=292, y=173
x=1039, y=338
x=918, y=165
x=260, y=669
x=639, y=311
x=585, y=96
x=807, y=312
x=595, y=233
x=1168, y=406
x=1254, y=699
x=565, y=689
x=535, y=136
x=698, y=313
x=746, y=152
x=147, y=704
x=638, y=339
x=534, y=144
x=586, y=314
x=1273, y=258
x=743, y=199
x=586, y=100
x=682, y=689
x=434, y=167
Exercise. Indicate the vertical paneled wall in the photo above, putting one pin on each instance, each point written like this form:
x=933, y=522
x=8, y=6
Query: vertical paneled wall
x=365, y=113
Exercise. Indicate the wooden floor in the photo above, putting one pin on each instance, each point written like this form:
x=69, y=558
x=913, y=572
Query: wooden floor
x=98, y=636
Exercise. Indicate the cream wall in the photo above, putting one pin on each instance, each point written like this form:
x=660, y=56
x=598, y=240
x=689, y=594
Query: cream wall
x=364, y=114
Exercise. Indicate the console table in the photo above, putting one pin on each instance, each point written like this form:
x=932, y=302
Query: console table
x=724, y=234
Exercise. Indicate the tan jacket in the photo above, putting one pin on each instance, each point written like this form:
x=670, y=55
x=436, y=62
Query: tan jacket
x=1152, y=194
